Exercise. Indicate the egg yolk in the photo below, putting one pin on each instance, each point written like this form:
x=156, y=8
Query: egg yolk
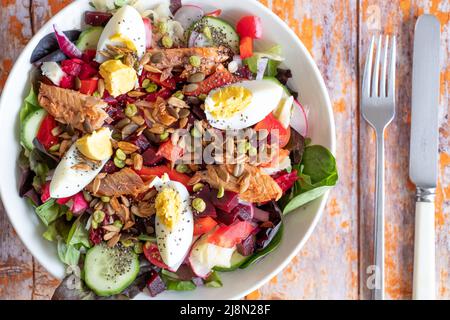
x=97, y=145
x=119, y=78
x=226, y=102
x=125, y=40
x=168, y=206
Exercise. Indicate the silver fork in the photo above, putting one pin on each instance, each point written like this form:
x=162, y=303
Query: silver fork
x=378, y=109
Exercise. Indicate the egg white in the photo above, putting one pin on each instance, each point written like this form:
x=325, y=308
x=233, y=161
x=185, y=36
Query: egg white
x=66, y=180
x=174, y=243
x=127, y=22
x=266, y=96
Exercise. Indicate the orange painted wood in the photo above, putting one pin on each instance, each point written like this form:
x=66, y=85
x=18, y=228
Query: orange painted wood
x=333, y=263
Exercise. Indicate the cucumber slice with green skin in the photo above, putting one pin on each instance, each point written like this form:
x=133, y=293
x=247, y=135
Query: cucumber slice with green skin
x=30, y=128
x=221, y=31
x=108, y=271
x=275, y=80
x=89, y=38
x=236, y=261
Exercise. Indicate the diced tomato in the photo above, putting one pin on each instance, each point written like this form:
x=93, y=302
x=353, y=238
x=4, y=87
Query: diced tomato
x=88, y=86
x=250, y=26
x=286, y=180
x=246, y=47
x=163, y=93
x=218, y=79
x=204, y=225
x=170, y=151
x=215, y=13
x=151, y=252
x=87, y=71
x=45, y=196
x=67, y=82
x=229, y=236
x=44, y=135
x=270, y=123
x=170, y=83
x=148, y=32
x=159, y=171
x=72, y=66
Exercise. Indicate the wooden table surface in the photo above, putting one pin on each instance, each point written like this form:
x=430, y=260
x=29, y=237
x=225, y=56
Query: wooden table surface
x=333, y=263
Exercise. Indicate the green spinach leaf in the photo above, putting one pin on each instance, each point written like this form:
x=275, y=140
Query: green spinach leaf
x=177, y=285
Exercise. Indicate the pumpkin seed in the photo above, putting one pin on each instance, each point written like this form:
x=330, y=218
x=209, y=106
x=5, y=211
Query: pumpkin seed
x=157, y=57
x=199, y=204
x=129, y=129
x=183, y=113
x=196, y=77
x=191, y=87
x=122, y=123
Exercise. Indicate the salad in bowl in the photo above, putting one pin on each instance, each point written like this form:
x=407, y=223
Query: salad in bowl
x=161, y=149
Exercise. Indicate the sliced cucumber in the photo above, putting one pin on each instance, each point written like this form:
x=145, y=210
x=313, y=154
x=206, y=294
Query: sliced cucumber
x=236, y=261
x=109, y=271
x=222, y=33
x=275, y=80
x=30, y=128
x=89, y=38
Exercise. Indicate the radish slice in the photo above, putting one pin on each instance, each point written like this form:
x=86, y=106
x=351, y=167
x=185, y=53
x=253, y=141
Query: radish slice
x=192, y=38
x=148, y=32
x=188, y=14
x=214, y=13
x=261, y=68
x=67, y=46
x=299, y=119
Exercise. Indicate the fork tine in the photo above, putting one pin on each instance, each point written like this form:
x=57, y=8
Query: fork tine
x=368, y=69
x=384, y=64
x=376, y=70
x=392, y=68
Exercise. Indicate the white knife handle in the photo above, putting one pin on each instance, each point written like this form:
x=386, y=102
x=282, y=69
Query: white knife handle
x=424, y=282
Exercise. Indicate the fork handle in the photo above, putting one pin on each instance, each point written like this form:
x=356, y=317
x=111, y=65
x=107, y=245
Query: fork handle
x=378, y=292
x=424, y=280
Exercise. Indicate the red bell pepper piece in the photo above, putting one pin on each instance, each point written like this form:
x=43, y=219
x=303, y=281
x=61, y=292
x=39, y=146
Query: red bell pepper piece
x=229, y=236
x=158, y=171
x=44, y=135
x=250, y=26
x=204, y=225
x=88, y=86
x=246, y=47
x=170, y=151
x=170, y=83
x=286, y=180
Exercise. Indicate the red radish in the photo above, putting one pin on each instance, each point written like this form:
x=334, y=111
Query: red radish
x=188, y=14
x=45, y=196
x=299, y=119
x=192, y=38
x=250, y=26
x=214, y=13
x=79, y=204
x=148, y=32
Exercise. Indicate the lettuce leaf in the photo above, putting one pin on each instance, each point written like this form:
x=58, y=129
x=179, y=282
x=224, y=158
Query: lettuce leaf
x=68, y=254
x=78, y=235
x=317, y=174
x=30, y=105
x=50, y=211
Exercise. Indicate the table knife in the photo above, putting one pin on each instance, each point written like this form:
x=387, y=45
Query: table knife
x=423, y=165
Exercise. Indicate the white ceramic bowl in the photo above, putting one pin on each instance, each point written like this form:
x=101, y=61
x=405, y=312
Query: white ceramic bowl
x=298, y=225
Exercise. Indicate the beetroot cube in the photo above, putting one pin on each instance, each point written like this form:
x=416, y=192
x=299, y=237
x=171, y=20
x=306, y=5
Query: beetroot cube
x=205, y=195
x=71, y=67
x=87, y=71
x=244, y=211
x=260, y=215
x=140, y=141
x=227, y=203
x=247, y=246
x=155, y=284
x=150, y=157
x=227, y=218
x=110, y=167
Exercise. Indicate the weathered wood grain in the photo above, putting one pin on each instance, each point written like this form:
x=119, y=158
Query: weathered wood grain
x=16, y=263
x=333, y=262
x=399, y=232
x=332, y=40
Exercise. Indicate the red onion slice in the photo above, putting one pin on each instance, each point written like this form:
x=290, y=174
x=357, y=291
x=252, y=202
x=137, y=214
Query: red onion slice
x=67, y=46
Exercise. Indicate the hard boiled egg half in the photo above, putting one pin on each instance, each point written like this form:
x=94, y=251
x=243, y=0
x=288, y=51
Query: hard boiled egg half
x=174, y=222
x=125, y=29
x=242, y=105
x=81, y=164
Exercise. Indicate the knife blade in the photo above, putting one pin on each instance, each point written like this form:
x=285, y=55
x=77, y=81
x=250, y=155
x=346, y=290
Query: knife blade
x=423, y=165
